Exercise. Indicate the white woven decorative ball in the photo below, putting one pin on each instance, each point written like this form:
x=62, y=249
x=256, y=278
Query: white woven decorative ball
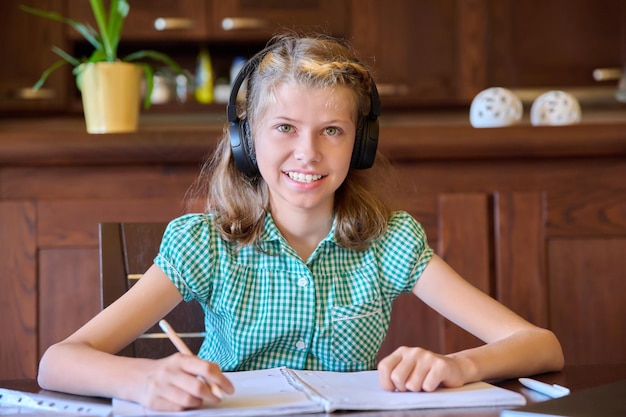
x=495, y=107
x=555, y=108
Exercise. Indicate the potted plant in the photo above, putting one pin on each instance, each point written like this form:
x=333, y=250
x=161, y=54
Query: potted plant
x=103, y=77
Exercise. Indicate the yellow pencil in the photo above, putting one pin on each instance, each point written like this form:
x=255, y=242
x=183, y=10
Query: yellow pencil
x=184, y=349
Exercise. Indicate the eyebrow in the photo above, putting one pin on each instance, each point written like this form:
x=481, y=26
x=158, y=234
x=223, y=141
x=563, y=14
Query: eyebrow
x=326, y=122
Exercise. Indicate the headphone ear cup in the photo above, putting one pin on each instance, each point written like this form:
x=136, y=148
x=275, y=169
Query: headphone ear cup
x=365, y=143
x=241, y=147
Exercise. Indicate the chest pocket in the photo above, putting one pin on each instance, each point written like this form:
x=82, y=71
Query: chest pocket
x=357, y=332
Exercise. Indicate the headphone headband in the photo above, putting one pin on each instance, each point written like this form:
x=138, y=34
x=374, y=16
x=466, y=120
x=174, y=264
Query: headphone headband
x=244, y=72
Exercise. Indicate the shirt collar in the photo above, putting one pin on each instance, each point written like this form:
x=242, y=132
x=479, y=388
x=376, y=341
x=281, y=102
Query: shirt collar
x=272, y=234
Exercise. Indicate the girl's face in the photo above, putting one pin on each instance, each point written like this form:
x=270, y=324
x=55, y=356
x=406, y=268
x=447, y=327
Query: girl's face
x=303, y=143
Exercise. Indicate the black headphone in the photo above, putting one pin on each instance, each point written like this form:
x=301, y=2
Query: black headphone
x=365, y=143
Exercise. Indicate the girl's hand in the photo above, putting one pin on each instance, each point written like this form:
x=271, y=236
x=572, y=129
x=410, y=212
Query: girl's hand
x=176, y=383
x=417, y=369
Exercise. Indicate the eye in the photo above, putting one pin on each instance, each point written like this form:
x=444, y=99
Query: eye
x=332, y=131
x=284, y=128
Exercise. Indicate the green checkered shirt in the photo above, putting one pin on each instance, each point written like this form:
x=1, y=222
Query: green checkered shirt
x=264, y=307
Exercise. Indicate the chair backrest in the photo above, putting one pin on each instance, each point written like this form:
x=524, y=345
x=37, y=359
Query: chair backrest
x=127, y=250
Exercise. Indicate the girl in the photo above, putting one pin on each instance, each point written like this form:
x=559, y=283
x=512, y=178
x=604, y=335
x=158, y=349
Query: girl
x=296, y=261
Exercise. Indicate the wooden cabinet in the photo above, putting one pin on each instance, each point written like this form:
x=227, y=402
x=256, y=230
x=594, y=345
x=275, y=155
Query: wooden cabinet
x=535, y=223
x=539, y=228
x=557, y=43
x=260, y=19
x=210, y=20
x=26, y=47
x=426, y=53
x=533, y=252
x=422, y=52
x=228, y=29
x=154, y=20
x=50, y=206
x=444, y=52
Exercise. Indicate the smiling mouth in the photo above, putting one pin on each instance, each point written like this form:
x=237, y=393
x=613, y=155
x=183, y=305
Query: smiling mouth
x=296, y=176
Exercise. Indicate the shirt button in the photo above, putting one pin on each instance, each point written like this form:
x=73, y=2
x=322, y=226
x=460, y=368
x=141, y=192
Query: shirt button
x=300, y=345
x=303, y=282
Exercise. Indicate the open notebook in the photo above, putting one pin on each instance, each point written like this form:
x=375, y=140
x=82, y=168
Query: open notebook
x=285, y=391
x=45, y=402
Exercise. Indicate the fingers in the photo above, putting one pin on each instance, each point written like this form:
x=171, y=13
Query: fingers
x=181, y=382
x=385, y=369
x=417, y=369
x=209, y=373
x=171, y=398
x=404, y=369
x=169, y=389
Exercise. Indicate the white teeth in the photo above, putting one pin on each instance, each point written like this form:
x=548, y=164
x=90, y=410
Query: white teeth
x=296, y=176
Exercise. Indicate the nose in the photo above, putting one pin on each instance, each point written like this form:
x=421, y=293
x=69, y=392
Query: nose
x=307, y=149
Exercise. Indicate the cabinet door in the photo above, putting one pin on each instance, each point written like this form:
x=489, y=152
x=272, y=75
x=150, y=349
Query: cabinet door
x=560, y=262
x=429, y=52
x=538, y=43
x=154, y=19
x=28, y=54
x=260, y=19
x=18, y=279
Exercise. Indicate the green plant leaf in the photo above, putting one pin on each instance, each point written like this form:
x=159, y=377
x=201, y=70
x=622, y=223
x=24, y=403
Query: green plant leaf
x=97, y=7
x=85, y=30
x=47, y=73
x=98, y=55
x=88, y=32
x=67, y=57
x=43, y=13
x=148, y=74
x=117, y=14
x=156, y=56
x=78, y=73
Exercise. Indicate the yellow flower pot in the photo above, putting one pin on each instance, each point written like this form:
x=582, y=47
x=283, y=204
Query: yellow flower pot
x=111, y=94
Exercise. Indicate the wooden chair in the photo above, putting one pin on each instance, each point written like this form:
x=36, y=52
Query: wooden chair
x=127, y=250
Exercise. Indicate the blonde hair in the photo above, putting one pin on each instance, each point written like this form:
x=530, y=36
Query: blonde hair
x=240, y=203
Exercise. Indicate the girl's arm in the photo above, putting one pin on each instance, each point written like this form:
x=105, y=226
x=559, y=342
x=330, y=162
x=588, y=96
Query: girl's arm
x=513, y=346
x=85, y=363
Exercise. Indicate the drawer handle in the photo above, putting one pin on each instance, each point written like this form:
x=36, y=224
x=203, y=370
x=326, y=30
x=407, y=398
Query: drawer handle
x=606, y=74
x=172, y=23
x=243, y=23
x=32, y=94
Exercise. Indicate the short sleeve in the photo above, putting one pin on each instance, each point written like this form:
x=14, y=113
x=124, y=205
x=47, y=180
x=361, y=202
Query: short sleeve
x=186, y=255
x=404, y=253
